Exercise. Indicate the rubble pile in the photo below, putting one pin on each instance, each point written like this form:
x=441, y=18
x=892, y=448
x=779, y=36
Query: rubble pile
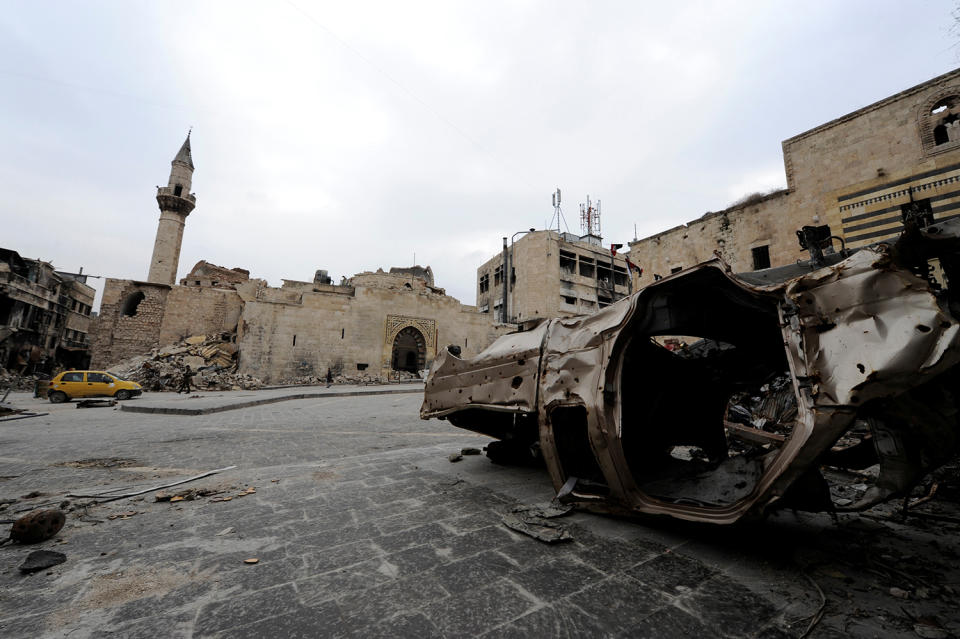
x=13, y=381
x=359, y=379
x=213, y=359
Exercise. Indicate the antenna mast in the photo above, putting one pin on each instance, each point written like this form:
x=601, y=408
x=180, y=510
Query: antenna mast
x=557, y=213
x=590, y=218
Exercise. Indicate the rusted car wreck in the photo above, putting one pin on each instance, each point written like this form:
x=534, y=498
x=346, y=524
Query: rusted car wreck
x=848, y=360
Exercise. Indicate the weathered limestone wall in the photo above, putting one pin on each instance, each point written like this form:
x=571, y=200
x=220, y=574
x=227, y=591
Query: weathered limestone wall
x=196, y=311
x=854, y=174
x=118, y=336
x=280, y=339
x=166, y=315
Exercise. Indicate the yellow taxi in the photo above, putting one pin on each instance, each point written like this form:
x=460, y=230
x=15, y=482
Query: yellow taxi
x=73, y=384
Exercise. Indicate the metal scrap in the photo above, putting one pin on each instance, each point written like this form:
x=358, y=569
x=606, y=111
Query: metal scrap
x=535, y=522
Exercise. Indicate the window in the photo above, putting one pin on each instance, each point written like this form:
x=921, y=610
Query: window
x=676, y=269
x=919, y=210
x=177, y=190
x=497, y=275
x=569, y=300
x=586, y=267
x=568, y=262
x=99, y=378
x=484, y=282
x=72, y=377
x=761, y=257
x=362, y=367
x=485, y=308
x=620, y=277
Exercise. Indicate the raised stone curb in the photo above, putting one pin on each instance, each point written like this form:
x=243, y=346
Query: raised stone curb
x=164, y=410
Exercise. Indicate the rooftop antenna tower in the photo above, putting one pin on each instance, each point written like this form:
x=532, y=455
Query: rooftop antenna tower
x=557, y=213
x=590, y=218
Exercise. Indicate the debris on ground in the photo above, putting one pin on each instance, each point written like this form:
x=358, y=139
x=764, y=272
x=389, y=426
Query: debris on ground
x=96, y=403
x=126, y=515
x=225, y=531
x=455, y=457
x=112, y=496
x=101, y=462
x=470, y=451
x=41, y=560
x=252, y=560
x=535, y=522
x=188, y=495
x=213, y=358
x=37, y=526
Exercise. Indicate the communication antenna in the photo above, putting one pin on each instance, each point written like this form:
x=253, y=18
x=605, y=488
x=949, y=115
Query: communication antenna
x=557, y=212
x=590, y=218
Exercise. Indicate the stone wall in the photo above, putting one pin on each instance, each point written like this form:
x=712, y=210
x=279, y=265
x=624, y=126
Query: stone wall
x=854, y=174
x=117, y=335
x=281, y=340
x=164, y=316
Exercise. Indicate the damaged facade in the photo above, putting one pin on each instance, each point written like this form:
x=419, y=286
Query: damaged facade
x=807, y=375
x=44, y=316
x=859, y=175
x=551, y=274
x=371, y=325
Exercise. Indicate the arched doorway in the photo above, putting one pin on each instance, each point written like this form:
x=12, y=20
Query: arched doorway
x=409, y=351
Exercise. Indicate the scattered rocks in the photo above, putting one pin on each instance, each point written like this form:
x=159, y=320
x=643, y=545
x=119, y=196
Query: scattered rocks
x=455, y=457
x=41, y=560
x=37, y=526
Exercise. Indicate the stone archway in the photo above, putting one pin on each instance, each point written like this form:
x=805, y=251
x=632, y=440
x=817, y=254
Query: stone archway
x=409, y=351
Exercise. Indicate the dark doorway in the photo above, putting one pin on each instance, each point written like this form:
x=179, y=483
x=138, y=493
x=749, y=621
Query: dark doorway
x=409, y=351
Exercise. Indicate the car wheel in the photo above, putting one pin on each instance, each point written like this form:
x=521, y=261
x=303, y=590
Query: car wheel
x=57, y=397
x=122, y=394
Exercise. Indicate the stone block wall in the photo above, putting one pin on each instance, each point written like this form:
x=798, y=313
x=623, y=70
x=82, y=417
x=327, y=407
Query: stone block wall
x=117, y=335
x=854, y=173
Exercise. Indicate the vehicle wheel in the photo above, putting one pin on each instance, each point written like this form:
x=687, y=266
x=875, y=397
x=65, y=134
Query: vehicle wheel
x=57, y=397
x=122, y=395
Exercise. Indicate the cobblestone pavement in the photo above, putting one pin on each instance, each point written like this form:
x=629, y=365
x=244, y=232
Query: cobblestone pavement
x=362, y=527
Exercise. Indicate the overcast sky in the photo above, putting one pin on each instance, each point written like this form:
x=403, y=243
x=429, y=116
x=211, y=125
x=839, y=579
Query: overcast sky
x=354, y=135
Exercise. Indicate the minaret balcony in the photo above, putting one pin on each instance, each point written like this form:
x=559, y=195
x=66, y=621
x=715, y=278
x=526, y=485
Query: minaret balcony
x=168, y=201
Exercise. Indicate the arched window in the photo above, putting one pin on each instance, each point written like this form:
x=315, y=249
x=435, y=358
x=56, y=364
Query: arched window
x=177, y=190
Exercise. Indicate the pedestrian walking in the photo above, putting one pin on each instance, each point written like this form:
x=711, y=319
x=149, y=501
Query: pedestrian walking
x=185, y=378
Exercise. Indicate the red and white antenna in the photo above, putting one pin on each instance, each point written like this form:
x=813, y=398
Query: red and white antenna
x=590, y=218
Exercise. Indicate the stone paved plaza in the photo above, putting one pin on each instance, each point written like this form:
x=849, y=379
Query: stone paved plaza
x=363, y=527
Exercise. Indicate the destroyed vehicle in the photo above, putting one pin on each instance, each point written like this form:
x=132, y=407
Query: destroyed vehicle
x=73, y=384
x=799, y=382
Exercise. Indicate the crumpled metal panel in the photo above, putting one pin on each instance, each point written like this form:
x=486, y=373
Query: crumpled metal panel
x=865, y=338
x=489, y=380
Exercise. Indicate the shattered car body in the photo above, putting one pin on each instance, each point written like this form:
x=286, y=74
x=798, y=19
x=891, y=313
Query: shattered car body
x=864, y=346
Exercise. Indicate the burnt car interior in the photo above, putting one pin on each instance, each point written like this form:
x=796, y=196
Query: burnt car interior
x=678, y=450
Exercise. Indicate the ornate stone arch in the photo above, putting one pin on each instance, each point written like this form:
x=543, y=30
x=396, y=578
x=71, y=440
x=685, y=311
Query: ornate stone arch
x=932, y=125
x=396, y=323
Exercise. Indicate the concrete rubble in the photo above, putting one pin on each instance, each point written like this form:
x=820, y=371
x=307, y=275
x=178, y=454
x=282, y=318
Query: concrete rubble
x=213, y=358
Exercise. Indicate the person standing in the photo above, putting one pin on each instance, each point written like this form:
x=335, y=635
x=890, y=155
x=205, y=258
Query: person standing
x=329, y=378
x=185, y=381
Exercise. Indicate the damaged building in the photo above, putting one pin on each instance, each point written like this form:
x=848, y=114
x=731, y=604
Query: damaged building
x=854, y=179
x=45, y=316
x=549, y=273
x=372, y=325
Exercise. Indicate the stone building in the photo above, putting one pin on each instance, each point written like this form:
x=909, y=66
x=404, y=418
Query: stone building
x=551, y=274
x=374, y=323
x=44, y=316
x=859, y=175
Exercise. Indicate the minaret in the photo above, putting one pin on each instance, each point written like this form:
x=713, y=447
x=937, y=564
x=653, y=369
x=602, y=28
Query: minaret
x=176, y=201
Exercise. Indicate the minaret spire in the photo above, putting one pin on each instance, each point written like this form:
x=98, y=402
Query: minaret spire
x=175, y=201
